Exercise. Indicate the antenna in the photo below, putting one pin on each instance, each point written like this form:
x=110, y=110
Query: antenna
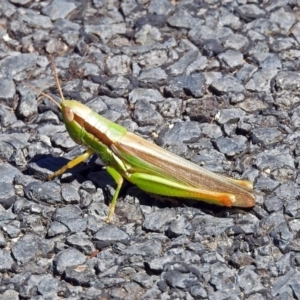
x=57, y=85
x=56, y=78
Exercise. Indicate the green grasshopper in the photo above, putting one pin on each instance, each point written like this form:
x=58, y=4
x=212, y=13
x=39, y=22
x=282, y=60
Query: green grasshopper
x=148, y=166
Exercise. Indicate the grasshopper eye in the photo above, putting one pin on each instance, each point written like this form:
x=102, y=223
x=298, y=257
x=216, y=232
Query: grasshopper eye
x=68, y=114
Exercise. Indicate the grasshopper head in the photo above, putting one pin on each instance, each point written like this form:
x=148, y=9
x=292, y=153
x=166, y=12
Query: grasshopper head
x=74, y=114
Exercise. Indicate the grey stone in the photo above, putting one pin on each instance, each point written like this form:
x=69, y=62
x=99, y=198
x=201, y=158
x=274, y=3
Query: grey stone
x=171, y=108
x=198, y=292
x=271, y=221
x=160, y=220
x=293, y=246
x=251, y=11
x=63, y=140
x=149, y=249
x=191, y=85
x=230, y=115
x=6, y=191
x=26, y=248
x=203, y=224
x=180, y=280
x=282, y=44
x=178, y=227
x=106, y=31
x=153, y=58
x=211, y=159
x=48, y=117
x=27, y=282
x=55, y=45
x=10, y=295
x=7, y=118
x=261, y=79
x=150, y=95
x=204, y=32
x=283, y=264
x=272, y=61
x=70, y=194
x=284, y=19
x=153, y=75
x=296, y=32
x=48, y=192
x=295, y=287
x=281, y=235
x=185, y=132
x=145, y=114
x=249, y=282
x=163, y=7
x=45, y=167
x=47, y=286
x=81, y=242
x=144, y=280
x=211, y=130
x=67, y=258
x=2, y=240
x=8, y=173
x=128, y=6
x=59, y=9
x=231, y=58
x=227, y=84
x=118, y=64
x=157, y=264
x=240, y=259
x=148, y=35
x=8, y=90
x=116, y=104
x=33, y=19
x=6, y=261
x=265, y=135
x=236, y=42
x=83, y=276
x=110, y=234
x=249, y=224
x=287, y=80
x=182, y=19
x=90, y=69
x=292, y=208
x=50, y=130
x=68, y=211
x=75, y=224
x=263, y=26
x=16, y=140
x=212, y=76
x=12, y=229
x=117, y=86
x=6, y=215
x=266, y=184
x=283, y=281
x=219, y=270
x=56, y=228
x=97, y=104
x=274, y=159
x=189, y=62
x=231, y=146
x=245, y=72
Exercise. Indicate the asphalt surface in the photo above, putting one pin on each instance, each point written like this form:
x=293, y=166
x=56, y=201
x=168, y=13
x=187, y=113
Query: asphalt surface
x=216, y=82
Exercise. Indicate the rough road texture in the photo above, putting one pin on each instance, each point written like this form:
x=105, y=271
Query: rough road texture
x=215, y=83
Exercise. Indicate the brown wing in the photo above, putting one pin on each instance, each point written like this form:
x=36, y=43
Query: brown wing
x=145, y=156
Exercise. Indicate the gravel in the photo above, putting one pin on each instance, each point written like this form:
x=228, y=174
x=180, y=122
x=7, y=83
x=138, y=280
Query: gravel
x=216, y=84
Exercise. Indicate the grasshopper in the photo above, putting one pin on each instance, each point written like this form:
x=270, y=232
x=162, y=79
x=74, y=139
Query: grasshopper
x=143, y=163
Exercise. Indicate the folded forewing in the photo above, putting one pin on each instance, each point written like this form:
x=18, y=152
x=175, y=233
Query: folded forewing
x=142, y=155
